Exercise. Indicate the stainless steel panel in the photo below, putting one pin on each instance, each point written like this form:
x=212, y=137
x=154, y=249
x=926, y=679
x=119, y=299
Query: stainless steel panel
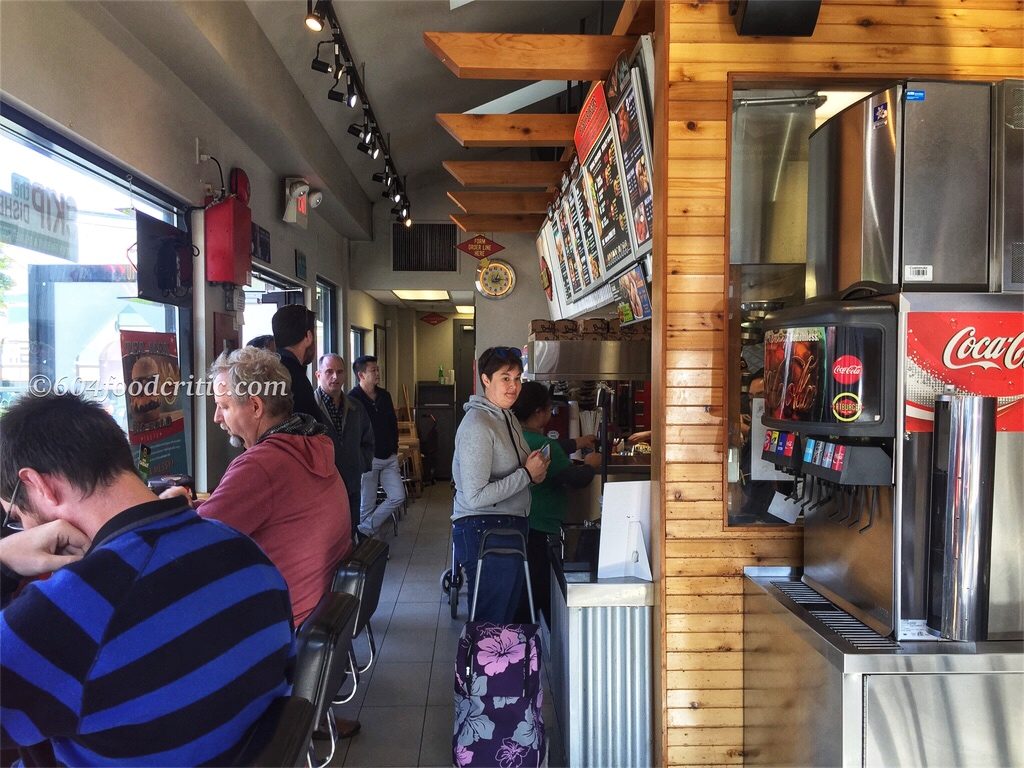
x=880, y=115
x=946, y=161
x=564, y=360
x=1006, y=585
x=820, y=276
x=944, y=720
x=963, y=459
x=851, y=566
x=1007, y=271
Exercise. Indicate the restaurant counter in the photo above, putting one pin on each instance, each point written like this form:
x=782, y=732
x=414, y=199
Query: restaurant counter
x=600, y=667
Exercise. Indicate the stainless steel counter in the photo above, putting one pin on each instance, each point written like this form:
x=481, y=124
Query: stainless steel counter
x=600, y=668
x=820, y=688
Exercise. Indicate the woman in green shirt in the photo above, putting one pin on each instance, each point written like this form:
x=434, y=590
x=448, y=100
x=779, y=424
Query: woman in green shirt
x=549, y=499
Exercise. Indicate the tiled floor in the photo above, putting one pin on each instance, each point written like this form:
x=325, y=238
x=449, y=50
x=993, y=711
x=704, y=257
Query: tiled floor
x=404, y=702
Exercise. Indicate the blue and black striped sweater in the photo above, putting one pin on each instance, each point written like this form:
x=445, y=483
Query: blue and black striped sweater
x=162, y=646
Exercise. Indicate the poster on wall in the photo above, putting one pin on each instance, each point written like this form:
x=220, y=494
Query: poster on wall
x=557, y=249
x=634, y=299
x=154, y=400
x=633, y=146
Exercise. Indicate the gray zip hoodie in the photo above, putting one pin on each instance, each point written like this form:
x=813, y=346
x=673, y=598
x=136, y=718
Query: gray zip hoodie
x=488, y=470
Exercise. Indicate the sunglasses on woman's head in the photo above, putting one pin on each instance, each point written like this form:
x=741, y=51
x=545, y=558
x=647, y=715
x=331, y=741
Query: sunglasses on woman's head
x=502, y=353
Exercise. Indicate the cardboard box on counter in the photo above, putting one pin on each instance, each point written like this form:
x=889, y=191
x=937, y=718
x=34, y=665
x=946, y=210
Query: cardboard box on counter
x=542, y=336
x=542, y=326
x=613, y=325
x=566, y=327
x=593, y=336
x=594, y=325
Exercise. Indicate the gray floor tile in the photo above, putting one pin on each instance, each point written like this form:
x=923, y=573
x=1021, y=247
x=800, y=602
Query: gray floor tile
x=390, y=736
x=436, y=747
x=442, y=681
x=399, y=684
x=411, y=633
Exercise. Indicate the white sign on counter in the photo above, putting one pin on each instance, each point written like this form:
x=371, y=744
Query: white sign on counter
x=625, y=531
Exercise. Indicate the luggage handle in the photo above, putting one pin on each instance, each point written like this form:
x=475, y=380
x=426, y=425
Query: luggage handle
x=502, y=551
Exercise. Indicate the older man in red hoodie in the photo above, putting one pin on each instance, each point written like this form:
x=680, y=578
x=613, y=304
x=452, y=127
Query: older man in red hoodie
x=284, y=492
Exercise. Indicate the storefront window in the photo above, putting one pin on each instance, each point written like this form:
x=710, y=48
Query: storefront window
x=67, y=277
x=262, y=299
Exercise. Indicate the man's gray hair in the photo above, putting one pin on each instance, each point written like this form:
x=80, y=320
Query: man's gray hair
x=252, y=371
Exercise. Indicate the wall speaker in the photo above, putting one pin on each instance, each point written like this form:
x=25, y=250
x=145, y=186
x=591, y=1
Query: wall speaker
x=775, y=18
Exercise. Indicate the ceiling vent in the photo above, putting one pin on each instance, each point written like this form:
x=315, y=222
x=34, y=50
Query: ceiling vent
x=424, y=248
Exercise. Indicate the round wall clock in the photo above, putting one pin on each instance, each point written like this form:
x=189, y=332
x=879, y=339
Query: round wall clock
x=496, y=279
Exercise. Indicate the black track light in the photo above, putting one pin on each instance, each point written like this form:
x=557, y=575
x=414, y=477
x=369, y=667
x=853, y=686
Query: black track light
x=350, y=87
x=318, y=64
x=334, y=95
x=380, y=178
x=314, y=17
x=356, y=130
x=362, y=146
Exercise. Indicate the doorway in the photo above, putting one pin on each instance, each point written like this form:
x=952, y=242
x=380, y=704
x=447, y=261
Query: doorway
x=464, y=359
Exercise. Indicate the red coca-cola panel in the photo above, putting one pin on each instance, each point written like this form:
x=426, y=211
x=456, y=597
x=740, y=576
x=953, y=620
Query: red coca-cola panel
x=978, y=353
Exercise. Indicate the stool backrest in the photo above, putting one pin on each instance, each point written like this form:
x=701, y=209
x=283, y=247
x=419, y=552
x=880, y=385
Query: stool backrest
x=362, y=576
x=324, y=650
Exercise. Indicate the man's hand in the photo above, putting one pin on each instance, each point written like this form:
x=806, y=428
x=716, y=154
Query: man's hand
x=537, y=466
x=43, y=548
x=593, y=460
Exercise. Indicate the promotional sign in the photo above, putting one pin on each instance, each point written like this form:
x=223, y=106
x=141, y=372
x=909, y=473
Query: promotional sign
x=592, y=120
x=433, y=318
x=153, y=393
x=480, y=247
x=38, y=218
x=635, y=304
x=977, y=353
x=604, y=188
x=824, y=374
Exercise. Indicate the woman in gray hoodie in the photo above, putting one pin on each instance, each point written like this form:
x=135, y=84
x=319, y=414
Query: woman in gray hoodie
x=493, y=469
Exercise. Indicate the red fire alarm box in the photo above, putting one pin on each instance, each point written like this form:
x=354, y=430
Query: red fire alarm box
x=228, y=242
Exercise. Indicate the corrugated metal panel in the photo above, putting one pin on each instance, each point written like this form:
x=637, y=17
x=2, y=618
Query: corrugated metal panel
x=424, y=248
x=611, y=688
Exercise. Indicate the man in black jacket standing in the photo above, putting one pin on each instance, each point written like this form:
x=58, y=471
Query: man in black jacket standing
x=295, y=336
x=352, y=433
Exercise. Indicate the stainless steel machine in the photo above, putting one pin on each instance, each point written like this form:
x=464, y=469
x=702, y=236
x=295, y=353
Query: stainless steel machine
x=905, y=625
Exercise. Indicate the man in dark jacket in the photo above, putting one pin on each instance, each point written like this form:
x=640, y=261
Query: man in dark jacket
x=295, y=336
x=352, y=432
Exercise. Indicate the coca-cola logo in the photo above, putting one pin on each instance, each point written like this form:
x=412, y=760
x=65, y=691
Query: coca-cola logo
x=847, y=369
x=968, y=350
x=846, y=406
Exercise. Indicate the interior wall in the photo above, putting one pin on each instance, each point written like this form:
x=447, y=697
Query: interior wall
x=702, y=560
x=434, y=346
x=75, y=68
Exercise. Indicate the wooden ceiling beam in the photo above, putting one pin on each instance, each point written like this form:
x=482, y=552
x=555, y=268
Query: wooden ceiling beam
x=635, y=18
x=509, y=130
x=498, y=173
x=500, y=56
x=523, y=222
x=501, y=202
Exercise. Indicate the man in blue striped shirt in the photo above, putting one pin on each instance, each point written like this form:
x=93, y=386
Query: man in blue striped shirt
x=164, y=643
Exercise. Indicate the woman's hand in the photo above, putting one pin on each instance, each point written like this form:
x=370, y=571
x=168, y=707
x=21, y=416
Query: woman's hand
x=586, y=442
x=43, y=548
x=537, y=466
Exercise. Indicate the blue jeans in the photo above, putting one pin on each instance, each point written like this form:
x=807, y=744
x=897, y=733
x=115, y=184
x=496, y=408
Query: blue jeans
x=386, y=473
x=502, y=579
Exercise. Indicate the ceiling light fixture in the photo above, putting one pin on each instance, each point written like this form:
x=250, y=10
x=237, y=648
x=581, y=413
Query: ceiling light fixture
x=465, y=309
x=318, y=64
x=314, y=17
x=371, y=139
x=421, y=295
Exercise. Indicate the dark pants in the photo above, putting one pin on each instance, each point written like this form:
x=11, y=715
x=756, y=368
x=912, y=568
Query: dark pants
x=501, y=579
x=353, y=508
x=538, y=551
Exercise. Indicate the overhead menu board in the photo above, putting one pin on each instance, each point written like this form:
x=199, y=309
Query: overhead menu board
x=634, y=148
x=586, y=216
x=556, y=249
x=549, y=277
x=604, y=187
x=576, y=235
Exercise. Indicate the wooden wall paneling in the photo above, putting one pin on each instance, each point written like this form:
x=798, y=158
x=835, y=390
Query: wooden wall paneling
x=702, y=558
